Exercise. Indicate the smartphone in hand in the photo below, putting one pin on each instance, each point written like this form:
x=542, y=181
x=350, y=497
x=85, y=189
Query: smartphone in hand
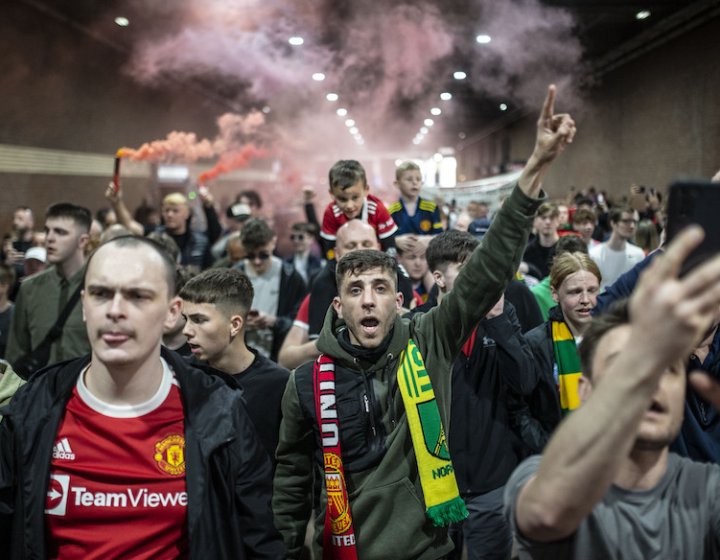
x=695, y=202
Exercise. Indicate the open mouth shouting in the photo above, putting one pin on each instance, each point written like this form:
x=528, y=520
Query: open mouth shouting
x=655, y=408
x=370, y=326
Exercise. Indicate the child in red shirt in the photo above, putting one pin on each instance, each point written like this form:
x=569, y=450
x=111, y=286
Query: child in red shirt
x=351, y=200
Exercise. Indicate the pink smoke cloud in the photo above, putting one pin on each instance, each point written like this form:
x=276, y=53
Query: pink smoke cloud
x=233, y=131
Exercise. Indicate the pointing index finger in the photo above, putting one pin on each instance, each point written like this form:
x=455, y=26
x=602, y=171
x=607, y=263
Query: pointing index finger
x=549, y=106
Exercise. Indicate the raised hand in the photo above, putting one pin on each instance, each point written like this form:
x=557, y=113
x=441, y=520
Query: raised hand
x=206, y=196
x=554, y=132
x=308, y=192
x=670, y=315
x=113, y=195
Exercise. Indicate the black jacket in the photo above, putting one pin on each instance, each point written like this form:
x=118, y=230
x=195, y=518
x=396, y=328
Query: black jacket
x=544, y=413
x=195, y=245
x=486, y=385
x=315, y=265
x=228, y=474
x=262, y=385
x=526, y=306
x=292, y=292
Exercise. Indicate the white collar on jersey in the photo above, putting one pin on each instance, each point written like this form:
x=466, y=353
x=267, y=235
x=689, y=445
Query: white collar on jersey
x=127, y=410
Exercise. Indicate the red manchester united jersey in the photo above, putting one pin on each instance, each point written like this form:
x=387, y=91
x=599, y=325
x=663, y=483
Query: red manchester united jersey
x=373, y=213
x=117, y=478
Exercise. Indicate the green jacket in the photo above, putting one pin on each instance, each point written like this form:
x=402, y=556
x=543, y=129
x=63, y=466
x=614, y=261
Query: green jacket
x=37, y=307
x=543, y=295
x=10, y=382
x=386, y=501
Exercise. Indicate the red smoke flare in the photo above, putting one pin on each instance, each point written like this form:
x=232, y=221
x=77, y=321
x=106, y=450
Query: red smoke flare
x=231, y=161
x=178, y=146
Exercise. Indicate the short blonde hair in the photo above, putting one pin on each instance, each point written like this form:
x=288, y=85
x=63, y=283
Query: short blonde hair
x=405, y=166
x=570, y=263
x=175, y=198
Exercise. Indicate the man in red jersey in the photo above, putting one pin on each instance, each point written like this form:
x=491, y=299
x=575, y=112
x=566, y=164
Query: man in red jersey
x=130, y=452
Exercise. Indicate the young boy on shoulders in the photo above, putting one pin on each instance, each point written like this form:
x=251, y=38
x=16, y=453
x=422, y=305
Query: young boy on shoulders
x=352, y=200
x=412, y=213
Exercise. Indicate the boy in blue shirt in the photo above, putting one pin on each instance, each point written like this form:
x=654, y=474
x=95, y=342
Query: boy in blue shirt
x=412, y=213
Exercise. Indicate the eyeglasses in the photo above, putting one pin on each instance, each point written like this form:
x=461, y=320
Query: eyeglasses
x=629, y=221
x=297, y=236
x=261, y=255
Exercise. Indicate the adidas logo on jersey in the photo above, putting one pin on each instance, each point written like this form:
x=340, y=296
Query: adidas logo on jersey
x=62, y=450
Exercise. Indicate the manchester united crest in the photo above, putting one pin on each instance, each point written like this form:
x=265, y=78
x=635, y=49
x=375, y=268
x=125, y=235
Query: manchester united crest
x=170, y=455
x=337, y=499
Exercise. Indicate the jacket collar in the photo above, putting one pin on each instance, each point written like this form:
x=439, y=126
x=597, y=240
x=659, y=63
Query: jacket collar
x=556, y=314
x=201, y=390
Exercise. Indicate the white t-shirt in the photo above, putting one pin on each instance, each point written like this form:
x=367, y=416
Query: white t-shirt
x=267, y=294
x=614, y=263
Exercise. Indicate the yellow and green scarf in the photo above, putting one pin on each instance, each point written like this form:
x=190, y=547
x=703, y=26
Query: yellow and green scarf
x=568, y=366
x=443, y=504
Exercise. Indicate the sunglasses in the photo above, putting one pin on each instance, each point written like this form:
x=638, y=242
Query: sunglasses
x=297, y=236
x=262, y=256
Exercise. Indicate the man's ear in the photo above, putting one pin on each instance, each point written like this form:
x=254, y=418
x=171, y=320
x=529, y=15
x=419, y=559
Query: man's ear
x=173, y=313
x=554, y=294
x=399, y=298
x=584, y=388
x=337, y=306
x=439, y=278
x=236, y=325
x=83, y=240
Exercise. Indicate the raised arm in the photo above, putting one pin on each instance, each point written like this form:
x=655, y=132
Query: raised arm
x=121, y=211
x=668, y=316
x=214, y=229
x=492, y=265
x=309, y=206
x=297, y=348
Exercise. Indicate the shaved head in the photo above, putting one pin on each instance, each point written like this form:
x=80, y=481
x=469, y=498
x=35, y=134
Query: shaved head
x=354, y=235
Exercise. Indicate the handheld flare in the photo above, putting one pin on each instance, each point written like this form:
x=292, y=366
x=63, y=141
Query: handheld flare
x=116, y=172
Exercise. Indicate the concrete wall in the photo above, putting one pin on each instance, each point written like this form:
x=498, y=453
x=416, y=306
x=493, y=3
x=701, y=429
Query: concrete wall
x=61, y=89
x=648, y=122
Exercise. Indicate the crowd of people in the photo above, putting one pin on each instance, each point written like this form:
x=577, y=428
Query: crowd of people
x=411, y=381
